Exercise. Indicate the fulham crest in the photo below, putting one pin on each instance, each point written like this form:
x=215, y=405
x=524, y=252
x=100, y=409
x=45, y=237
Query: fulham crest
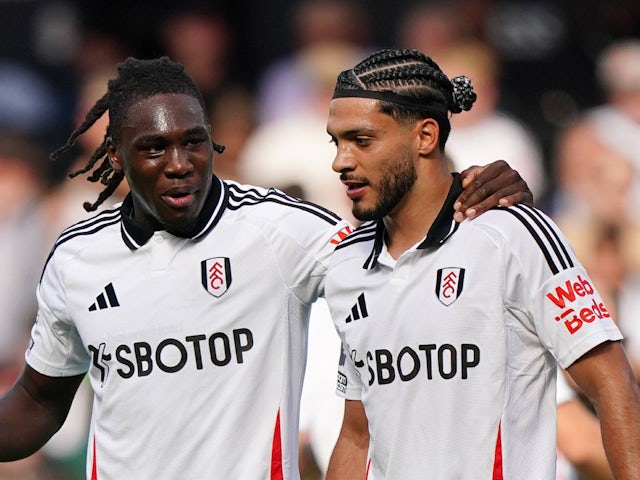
x=216, y=275
x=449, y=283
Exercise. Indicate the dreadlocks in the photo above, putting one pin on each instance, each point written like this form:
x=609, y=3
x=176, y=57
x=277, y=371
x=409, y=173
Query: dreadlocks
x=409, y=85
x=137, y=79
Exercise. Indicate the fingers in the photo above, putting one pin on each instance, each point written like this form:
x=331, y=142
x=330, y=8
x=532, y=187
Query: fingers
x=470, y=174
x=495, y=184
x=481, y=200
x=514, y=194
x=483, y=184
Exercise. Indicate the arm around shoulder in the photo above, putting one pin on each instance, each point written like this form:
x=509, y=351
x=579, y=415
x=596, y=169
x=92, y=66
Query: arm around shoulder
x=32, y=410
x=349, y=457
x=606, y=378
x=486, y=187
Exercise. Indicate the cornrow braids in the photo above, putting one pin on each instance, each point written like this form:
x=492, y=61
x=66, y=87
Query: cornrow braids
x=137, y=79
x=409, y=85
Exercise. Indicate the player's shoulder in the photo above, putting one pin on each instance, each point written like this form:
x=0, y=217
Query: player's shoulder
x=359, y=242
x=526, y=232
x=89, y=231
x=252, y=198
x=274, y=204
x=514, y=220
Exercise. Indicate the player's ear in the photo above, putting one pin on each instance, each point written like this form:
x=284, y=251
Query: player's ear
x=115, y=162
x=429, y=135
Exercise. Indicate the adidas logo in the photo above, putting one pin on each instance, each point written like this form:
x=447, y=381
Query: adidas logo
x=358, y=311
x=106, y=299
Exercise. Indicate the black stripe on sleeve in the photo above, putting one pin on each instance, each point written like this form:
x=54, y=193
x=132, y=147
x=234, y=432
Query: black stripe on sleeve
x=239, y=197
x=543, y=220
x=545, y=251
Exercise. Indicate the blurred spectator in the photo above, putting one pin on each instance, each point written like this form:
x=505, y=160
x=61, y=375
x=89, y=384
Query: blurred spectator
x=486, y=129
x=295, y=151
x=617, y=123
x=28, y=103
x=597, y=166
x=288, y=85
x=431, y=26
x=97, y=51
x=586, y=172
x=203, y=41
x=580, y=451
x=233, y=121
x=21, y=251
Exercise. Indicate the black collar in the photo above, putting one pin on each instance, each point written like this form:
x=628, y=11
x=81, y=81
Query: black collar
x=135, y=235
x=441, y=229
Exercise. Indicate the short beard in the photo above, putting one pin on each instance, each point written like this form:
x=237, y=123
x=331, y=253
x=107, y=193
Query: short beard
x=393, y=187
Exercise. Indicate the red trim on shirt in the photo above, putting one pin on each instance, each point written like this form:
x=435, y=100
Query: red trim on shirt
x=94, y=466
x=497, y=460
x=368, y=467
x=276, y=452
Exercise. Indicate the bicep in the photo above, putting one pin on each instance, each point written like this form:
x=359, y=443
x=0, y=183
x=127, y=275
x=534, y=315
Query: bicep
x=354, y=423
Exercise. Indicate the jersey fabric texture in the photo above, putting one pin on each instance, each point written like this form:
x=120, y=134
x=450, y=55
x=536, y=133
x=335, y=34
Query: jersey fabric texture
x=453, y=348
x=195, y=347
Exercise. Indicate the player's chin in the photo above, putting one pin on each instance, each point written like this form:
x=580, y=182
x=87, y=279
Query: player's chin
x=179, y=221
x=362, y=213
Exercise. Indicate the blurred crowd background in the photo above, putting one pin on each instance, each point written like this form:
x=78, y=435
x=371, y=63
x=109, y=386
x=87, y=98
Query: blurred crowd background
x=558, y=85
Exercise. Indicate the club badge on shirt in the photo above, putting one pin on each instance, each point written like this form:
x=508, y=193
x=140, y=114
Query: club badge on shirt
x=449, y=283
x=216, y=275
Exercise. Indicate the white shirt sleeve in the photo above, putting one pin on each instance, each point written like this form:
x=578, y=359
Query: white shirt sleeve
x=545, y=281
x=349, y=384
x=55, y=348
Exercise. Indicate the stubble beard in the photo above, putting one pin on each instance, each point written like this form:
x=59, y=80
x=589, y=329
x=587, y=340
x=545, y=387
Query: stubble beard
x=391, y=190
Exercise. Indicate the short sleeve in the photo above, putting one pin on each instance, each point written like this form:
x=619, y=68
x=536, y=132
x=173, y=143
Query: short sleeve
x=572, y=316
x=55, y=348
x=349, y=384
x=545, y=279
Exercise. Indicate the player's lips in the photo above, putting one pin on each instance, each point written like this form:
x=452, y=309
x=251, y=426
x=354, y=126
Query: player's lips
x=354, y=189
x=179, y=197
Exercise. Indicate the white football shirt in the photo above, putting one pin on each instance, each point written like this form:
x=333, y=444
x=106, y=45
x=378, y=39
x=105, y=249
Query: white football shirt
x=453, y=347
x=195, y=347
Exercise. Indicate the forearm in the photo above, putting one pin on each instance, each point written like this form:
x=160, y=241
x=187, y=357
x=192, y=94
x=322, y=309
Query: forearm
x=32, y=411
x=620, y=423
x=25, y=425
x=605, y=376
x=348, y=460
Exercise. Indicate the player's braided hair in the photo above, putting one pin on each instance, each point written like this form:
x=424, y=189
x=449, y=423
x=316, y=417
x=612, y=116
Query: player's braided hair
x=414, y=76
x=137, y=79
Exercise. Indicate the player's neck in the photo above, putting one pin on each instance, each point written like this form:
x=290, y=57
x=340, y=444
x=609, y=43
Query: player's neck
x=410, y=221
